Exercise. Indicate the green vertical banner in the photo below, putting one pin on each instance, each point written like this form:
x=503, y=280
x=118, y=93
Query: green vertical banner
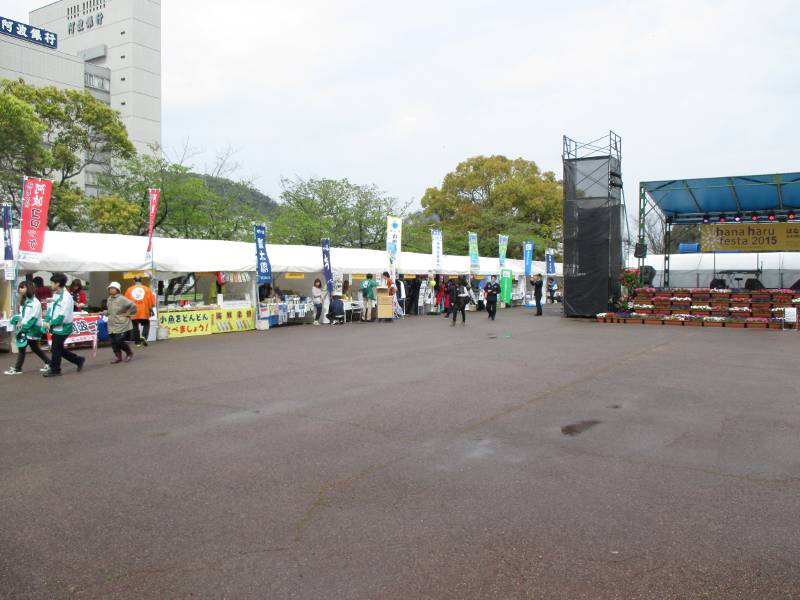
x=503, y=242
x=506, y=283
x=474, y=259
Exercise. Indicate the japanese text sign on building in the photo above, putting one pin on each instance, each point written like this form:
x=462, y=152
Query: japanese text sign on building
x=33, y=222
x=84, y=24
x=263, y=266
x=29, y=33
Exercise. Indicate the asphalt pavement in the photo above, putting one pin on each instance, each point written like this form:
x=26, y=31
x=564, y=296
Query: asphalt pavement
x=539, y=458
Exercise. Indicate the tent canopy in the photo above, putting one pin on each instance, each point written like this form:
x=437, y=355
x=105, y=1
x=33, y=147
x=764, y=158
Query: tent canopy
x=97, y=252
x=688, y=200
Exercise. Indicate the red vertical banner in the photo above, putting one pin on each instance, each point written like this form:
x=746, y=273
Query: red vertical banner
x=33, y=221
x=153, y=195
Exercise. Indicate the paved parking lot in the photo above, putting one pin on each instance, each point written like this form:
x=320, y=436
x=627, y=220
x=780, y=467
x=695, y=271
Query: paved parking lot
x=525, y=458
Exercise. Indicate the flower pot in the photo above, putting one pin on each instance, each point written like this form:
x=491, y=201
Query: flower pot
x=775, y=325
x=736, y=325
x=719, y=313
x=674, y=323
x=692, y=323
x=757, y=325
x=653, y=322
x=713, y=323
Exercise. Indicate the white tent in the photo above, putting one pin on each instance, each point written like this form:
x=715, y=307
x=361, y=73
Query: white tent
x=778, y=269
x=96, y=252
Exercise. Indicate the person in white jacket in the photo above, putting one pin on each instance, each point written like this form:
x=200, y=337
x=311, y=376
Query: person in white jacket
x=58, y=321
x=28, y=324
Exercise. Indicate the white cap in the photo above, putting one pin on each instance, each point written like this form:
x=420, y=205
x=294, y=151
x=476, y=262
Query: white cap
x=114, y=284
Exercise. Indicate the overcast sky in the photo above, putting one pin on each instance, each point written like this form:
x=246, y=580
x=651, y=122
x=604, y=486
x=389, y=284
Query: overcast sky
x=397, y=94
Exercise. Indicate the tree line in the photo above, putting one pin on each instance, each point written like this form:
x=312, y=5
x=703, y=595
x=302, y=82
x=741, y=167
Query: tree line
x=60, y=134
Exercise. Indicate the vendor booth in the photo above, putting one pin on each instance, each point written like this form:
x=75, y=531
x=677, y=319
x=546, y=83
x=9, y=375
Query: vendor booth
x=204, y=287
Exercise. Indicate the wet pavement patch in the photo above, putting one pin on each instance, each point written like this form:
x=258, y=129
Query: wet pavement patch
x=578, y=428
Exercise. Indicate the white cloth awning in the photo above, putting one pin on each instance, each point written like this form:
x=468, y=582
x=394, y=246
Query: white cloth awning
x=100, y=252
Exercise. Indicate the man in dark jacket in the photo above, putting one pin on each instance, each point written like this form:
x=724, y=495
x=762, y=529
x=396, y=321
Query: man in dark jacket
x=538, y=284
x=491, y=290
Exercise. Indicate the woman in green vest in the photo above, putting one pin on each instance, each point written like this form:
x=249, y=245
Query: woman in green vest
x=29, y=327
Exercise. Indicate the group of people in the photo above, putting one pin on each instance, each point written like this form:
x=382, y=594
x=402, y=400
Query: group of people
x=125, y=313
x=454, y=296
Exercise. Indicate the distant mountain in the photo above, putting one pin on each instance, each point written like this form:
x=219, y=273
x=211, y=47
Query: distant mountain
x=242, y=192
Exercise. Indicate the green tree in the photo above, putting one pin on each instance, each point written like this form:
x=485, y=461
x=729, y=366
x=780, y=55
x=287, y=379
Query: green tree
x=350, y=215
x=493, y=195
x=79, y=131
x=22, y=151
x=188, y=206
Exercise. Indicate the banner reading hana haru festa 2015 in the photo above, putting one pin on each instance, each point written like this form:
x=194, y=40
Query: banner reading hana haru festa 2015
x=394, y=237
x=153, y=195
x=436, y=249
x=263, y=266
x=33, y=221
x=503, y=249
x=474, y=259
x=527, y=248
x=327, y=270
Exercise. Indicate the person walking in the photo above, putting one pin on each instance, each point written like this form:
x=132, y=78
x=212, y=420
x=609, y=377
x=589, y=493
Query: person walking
x=368, y=295
x=145, y=301
x=459, y=298
x=119, y=313
x=318, y=295
x=552, y=288
x=538, y=284
x=30, y=327
x=491, y=290
x=58, y=321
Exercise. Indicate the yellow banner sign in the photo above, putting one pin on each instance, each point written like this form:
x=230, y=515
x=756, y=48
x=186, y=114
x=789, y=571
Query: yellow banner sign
x=294, y=275
x=751, y=237
x=233, y=319
x=186, y=323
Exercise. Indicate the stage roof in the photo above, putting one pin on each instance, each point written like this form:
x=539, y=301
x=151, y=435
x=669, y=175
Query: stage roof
x=687, y=198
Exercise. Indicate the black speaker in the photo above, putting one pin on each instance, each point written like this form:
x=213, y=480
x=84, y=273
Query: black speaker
x=640, y=251
x=593, y=260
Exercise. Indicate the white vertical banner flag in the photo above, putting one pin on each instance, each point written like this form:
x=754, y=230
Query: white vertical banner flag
x=394, y=236
x=436, y=249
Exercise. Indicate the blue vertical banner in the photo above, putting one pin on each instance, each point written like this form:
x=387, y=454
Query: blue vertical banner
x=474, y=259
x=503, y=249
x=326, y=264
x=550, y=261
x=8, y=245
x=528, y=254
x=263, y=268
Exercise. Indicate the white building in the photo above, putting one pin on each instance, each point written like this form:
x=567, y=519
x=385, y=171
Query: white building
x=110, y=47
x=124, y=36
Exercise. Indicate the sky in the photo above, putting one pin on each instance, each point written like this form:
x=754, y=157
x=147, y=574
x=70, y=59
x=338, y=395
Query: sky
x=397, y=94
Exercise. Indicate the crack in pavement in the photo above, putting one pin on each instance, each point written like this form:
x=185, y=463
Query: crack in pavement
x=546, y=394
